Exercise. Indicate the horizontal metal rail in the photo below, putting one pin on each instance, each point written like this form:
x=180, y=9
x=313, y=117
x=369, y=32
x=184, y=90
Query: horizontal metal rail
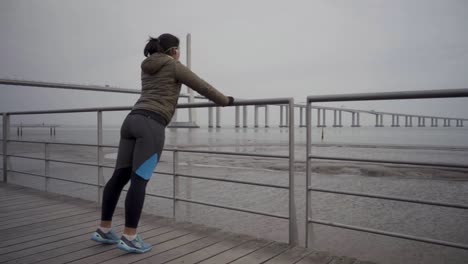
x=433, y=164
x=54, y=178
x=390, y=234
x=99, y=110
x=160, y=196
x=233, y=181
x=423, y=94
x=229, y=153
x=271, y=101
x=392, y=198
x=66, y=86
x=431, y=94
x=52, y=143
x=232, y=208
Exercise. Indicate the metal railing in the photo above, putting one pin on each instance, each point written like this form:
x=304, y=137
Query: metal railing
x=367, y=97
x=291, y=217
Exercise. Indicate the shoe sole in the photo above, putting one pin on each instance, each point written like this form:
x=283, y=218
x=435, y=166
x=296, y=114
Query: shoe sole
x=122, y=246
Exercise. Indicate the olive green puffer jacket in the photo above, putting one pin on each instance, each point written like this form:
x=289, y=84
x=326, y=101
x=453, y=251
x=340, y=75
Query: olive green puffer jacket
x=161, y=80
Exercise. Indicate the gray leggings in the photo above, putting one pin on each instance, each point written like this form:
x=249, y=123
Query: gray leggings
x=140, y=148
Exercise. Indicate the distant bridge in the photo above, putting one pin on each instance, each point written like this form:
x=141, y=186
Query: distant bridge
x=19, y=127
x=321, y=110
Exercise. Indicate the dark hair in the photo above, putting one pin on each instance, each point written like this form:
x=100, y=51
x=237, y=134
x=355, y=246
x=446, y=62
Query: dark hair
x=162, y=44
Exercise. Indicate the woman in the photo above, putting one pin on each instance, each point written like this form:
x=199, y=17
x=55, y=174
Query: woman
x=142, y=137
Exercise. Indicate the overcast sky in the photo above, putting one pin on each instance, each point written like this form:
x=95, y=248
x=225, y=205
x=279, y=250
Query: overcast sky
x=245, y=48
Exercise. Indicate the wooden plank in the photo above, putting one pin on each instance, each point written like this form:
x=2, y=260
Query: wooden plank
x=51, y=225
x=58, y=249
x=50, y=239
x=45, y=215
x=190, y=236
x=31, y=204
x=46, y=218
x=228, y=243
x=316, y=258
x=34, y=211
x=237, y=252
x=54, y=232
x=147, y=231
x=263, y=254
x=15, y=197
x=290, y=256
x=35, y=253
x=343, y=260
x=114, y=253
x=20, y=197
x=186, y=249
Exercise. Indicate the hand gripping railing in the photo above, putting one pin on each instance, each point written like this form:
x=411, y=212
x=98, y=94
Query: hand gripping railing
x=367, y=97
x=293, y=236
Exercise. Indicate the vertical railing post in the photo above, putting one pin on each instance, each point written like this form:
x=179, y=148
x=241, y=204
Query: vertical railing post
x=100, y=156
x=6, y=135
x=308, y=146
x=46, y=166
x=175, y=181
x=293, y=233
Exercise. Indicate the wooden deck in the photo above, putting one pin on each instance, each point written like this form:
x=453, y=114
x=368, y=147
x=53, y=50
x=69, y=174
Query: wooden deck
x=37, y=227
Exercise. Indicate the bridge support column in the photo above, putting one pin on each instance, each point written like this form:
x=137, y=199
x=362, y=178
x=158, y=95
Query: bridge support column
x=319, y=117
x=281, y=116
x=324, y=123
x=255, y=116
x=210, y=117
x=237, y=116
x=244, y=110
x=421, y=121
x=355, y=119
x=334, y=119
x=266, y=116
x=340, y=123
x=301, y=124
x=447, y=122
x=218, y=117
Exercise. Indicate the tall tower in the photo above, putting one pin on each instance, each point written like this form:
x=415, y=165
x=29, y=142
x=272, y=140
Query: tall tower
x=192, y=114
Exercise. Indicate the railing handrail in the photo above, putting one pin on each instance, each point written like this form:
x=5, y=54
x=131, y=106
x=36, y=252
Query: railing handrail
x=267, y=101
x=422, y=94
x=69, y=86
x=426, y=94
x=293, y=237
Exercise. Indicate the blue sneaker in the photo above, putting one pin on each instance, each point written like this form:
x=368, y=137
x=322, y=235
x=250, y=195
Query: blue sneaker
x=106, y=238
x=134, y=246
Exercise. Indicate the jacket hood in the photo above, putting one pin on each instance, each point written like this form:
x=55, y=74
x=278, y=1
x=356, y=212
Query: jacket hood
x=155, y=62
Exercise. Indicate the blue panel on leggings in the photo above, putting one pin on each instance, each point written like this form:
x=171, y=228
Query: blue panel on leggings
x=146, y=169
